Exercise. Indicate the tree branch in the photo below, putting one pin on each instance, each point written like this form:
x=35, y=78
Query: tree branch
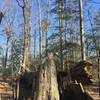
x=19, y=4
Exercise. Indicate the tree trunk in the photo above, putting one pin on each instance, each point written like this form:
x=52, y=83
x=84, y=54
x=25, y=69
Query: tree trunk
x=1, y=16
x=40, y=28
x=47, y=81
x=61, y=29
x=47, y=16
x=34, y=43
x=6, y=54
x=27, y=34
x=82, y=38
x=99, y=71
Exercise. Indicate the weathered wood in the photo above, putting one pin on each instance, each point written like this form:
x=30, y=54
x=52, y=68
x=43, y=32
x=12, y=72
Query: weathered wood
x=27, y=85
x=80, y=72
x=30, y=81
x=74, y=92
x=47, y=81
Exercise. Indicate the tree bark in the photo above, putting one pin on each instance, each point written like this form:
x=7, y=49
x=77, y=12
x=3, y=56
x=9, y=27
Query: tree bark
x=1, y=16
x=40, y=28
x=6, y=54
x=61, y=29
x=34, y=43
x=26, y=9
x=82, y=38
x=99, y=71
x=27, y=28
x=47, y=16
x=47, y=81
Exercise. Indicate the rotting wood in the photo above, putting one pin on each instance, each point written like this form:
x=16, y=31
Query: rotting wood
x=47, y=86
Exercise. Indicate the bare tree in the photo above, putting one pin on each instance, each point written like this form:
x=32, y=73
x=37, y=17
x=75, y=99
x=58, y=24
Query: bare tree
x=8, y=32
x=61, y=29
x=8, y=35
x=40, y=28
x=26, y=9
x=82, y=38
x=35, y=43
x=47, y=11
x=1, y=16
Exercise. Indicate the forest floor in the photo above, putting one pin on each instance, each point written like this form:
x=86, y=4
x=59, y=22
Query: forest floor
x=6, y=91
x=93, y=90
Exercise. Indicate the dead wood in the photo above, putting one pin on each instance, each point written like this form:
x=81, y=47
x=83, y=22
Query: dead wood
x=47, y=81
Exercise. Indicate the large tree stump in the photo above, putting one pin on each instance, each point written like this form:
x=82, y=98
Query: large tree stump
x=47, y=81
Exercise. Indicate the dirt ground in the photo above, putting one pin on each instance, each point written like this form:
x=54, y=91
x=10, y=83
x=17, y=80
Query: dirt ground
x=6, y=92
x=93, y=90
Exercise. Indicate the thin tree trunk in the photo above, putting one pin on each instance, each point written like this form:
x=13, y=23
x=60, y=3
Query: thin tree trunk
x=6, y=54
x=40, y=28
x=1, y=16
x=61, y=32
x=34, y=43
x=99, y=71
x=65, y=33
x=17, y=90
x=47, y=11
x=82, y=38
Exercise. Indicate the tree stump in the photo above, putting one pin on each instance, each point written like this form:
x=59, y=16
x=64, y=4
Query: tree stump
x=47, y=86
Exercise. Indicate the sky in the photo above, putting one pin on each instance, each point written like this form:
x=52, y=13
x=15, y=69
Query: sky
x=16, y=11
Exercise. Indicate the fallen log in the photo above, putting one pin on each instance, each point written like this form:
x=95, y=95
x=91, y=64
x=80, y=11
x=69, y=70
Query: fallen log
x=81, y=74
x=29, y=83
x=80, y=68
